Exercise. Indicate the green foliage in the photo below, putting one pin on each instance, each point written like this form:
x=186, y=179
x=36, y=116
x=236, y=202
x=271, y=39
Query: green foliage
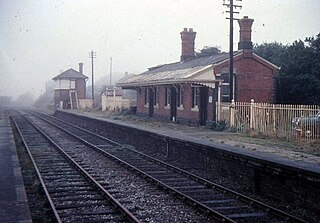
x=218, y=126
x=208, y=51
x=273, y=52
x=232, y=129
x=299, y=78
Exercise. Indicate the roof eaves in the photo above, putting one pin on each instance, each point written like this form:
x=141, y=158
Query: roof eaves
x=166, y=82
x=200, y=70
x=66, y=75
x=266, y=61
x=238, y=54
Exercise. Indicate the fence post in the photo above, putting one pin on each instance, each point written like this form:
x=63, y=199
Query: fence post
x=218, y=104
x=217, y=112
x=232, y=114
x=251, y=114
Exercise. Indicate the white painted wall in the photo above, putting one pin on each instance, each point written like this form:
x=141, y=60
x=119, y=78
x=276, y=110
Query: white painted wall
x=85, y=103
x=114, y=103
x=64, y=84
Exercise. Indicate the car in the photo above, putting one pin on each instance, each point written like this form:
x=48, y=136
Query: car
x=308, y=126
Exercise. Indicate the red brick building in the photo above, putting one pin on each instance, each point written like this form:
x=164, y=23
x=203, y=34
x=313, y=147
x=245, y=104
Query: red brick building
x=70, y=86
x=189, y=89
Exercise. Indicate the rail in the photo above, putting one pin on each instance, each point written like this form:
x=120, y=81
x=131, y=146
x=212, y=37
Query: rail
x=269, y=210
x=115, y=203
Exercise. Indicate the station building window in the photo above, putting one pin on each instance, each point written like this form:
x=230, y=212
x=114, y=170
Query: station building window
x=146, y=96
x=72, y=84
x=225, y=88
x=155, y=96
x=167, y=96
x=195, y=97
x=180, y=91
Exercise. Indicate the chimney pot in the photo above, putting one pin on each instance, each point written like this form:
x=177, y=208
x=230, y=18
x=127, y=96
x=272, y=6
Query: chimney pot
x=187, y=50
x=81, y=68
x=245, y=33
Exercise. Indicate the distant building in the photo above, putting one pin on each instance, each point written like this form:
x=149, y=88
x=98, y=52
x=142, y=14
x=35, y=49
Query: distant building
x=189, y=89
x=127, y=93
x=70, y=87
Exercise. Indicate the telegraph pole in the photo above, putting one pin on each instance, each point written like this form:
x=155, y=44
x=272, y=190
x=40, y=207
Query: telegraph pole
x=231, y=11
x=110, y=70
x=92, y=56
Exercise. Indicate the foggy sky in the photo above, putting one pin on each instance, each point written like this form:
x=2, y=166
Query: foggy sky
x=39, y=38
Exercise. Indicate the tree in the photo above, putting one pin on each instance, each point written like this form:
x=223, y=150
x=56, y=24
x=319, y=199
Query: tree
x=273, y=52
x=46, y=100
x=24, y=100
x=208, y=51
x=299, y=79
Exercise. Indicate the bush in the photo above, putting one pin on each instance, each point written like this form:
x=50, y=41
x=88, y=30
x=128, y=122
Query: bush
x=218, y=126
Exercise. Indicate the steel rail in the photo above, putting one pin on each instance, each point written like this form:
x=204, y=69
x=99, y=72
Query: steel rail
x=252, y=202
x=52, y=206
x=205, y=209
x=124, y=211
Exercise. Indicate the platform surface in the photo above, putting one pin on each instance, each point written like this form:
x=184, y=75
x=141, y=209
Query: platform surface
x=13, y=200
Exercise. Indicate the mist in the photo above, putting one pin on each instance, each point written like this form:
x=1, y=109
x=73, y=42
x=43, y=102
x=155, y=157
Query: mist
x=39, y=39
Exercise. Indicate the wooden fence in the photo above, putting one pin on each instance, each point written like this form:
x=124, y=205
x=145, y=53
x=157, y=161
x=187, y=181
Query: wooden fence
x=301, y=122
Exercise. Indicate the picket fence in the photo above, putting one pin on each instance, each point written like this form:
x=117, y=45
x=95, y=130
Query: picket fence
x=277, y=120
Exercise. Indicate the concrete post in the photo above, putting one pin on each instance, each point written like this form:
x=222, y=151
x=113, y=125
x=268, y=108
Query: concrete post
x=232, y=114
x=252, y=114
x=219, y=102
x=114, y=99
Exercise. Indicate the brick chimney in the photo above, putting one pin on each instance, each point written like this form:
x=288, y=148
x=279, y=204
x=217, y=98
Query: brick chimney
x=245, y=33
x=187, y=50
x=81, y=68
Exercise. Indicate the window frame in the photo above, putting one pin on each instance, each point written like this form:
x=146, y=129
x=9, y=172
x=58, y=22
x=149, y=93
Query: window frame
x=180, y=96
x=167, y=97
x=146, y=97
x=155, y=97
x=225, y=85
x=195, y=98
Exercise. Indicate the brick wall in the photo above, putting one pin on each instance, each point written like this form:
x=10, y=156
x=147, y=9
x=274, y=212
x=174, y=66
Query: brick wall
x=140, y=102
x=81, y=88
x=255, y=80
x=61, y=95
x=162, y=111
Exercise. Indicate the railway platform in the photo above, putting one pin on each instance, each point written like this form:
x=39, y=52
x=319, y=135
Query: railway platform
x=296, y=160
x=13, y=200
x=275, y=173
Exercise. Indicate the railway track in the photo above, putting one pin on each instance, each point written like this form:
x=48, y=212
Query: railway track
x=223, y=204
x=73, y=194
x=143, y=200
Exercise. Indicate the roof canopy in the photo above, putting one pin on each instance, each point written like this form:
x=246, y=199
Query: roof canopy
x=199, y=70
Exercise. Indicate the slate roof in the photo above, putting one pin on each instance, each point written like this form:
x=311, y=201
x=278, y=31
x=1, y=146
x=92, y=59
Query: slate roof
x=70, y=74
x=124, y=78
x=175, y=71
x=197, y=62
